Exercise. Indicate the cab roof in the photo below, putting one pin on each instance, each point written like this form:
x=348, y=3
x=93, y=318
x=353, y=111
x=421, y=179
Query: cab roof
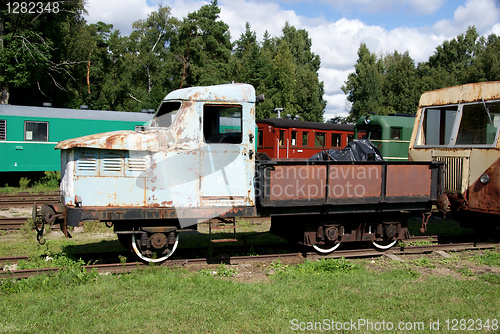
x=236, y=92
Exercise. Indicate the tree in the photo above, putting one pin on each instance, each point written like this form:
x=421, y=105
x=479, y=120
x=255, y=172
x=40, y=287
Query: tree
x=400, y=84
x=33, y=66
x=364, y=87
x=203, y=48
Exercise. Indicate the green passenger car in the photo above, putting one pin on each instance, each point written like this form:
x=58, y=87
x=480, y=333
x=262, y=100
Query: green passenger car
x=28, y=135
x=391, y=134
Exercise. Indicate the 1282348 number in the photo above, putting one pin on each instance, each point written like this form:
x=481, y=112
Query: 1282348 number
x=24, y=7
x=471, y=324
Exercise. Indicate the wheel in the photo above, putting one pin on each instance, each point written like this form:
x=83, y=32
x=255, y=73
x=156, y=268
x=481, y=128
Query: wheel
x=325, y=250
x=154, y=254
x=384, y=244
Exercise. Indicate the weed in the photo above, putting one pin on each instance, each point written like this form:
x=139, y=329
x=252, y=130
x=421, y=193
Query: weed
x=465, y=272
x=28, y=227
x=24, y=182
x=423, y=262
x=276, y=267
x=222, y=271
x=95, y=227
x=418, y=243
x=322, y=266
x=490, y=257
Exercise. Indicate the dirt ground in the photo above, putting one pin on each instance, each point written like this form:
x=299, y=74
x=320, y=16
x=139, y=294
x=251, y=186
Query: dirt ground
x=458, y=265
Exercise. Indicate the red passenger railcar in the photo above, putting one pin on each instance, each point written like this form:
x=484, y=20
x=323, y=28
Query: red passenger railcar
x=283, y=138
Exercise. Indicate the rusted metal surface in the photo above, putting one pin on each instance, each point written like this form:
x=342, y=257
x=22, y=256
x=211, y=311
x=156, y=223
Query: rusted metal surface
x=115, y=140
x=369, y=186
x=172, y=166
x=469, y=153
x=348, y=181
x=458, y=94
x=300, y=182
x=408, y=180
x=486, y=197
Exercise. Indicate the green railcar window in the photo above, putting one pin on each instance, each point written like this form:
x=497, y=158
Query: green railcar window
x=396, y=133
x=36, y=131
x=3, y=129
x=222, y=124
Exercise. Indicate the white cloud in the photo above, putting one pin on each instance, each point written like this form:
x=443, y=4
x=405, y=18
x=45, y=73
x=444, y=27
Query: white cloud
x=120, y=13
x=483, y=14
x=336, y=42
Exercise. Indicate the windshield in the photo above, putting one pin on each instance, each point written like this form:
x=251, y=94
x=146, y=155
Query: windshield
x=466, y=124
x=165, y=116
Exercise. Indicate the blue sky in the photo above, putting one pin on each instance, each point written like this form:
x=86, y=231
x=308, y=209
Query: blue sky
x=336, y=27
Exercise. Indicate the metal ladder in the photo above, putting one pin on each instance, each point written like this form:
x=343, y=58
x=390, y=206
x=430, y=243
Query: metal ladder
x=222, y=224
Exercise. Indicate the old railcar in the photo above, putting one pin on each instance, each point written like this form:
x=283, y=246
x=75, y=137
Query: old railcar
x=282, y=138
x=187, y=167
x=391, y=134
x=28, y=135
x=460, y=126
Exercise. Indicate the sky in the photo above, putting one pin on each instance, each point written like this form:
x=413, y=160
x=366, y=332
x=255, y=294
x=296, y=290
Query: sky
x=336, y=27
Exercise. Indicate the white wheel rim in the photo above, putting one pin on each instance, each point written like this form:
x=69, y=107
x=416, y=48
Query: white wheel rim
x=384, y=246
x=147, y=259
x=326, y=251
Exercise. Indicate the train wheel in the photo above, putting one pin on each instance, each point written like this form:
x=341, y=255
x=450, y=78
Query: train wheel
x=326, y=249
x=383, y=245
x=158, y=249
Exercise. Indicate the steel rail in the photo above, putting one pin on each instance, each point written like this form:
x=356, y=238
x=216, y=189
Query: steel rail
x=27, y=199
x=356, y=253
x=12, y=223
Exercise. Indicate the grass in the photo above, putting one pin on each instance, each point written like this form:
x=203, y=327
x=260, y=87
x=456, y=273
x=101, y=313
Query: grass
x=49, y=181
x=217, y=300
x=158, y=300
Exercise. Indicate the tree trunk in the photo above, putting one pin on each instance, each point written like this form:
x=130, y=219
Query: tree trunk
x=4, y=94
x=4, y=88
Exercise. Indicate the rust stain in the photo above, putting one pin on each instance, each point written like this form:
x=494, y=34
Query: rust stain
x=408, y=180
x=451, y=95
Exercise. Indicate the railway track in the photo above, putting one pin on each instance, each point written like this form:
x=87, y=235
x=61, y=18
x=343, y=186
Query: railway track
x=12, y=223
x=27, y=199
x=234, y=260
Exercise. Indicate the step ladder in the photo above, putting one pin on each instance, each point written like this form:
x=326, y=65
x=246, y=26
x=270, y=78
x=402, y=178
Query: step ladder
x=221, y=224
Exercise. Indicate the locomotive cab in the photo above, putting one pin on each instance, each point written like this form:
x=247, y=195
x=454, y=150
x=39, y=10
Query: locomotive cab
x=195, y=161
x=460, y=126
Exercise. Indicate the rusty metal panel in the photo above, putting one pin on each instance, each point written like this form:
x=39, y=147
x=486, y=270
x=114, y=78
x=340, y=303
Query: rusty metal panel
x=169, y=167
x=354, y=181
x=116, y=140
x=486, y=197
x=408, y=180
x=298, y=182
x=452, y=95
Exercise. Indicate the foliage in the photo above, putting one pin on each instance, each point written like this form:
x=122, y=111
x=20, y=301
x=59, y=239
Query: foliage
x=322, y=266
x=393, y=84
x=490, y=257
x=63, y=60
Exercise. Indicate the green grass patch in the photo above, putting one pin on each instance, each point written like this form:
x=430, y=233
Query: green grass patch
x=158, y=300
x=49, y=181
x=490, y=257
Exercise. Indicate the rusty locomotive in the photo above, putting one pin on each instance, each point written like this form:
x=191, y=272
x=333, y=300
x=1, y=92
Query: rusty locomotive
x=460, y=127
x=184, y=169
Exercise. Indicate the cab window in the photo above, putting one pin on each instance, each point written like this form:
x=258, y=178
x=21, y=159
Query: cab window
x=166, y=114
x=222, y=124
